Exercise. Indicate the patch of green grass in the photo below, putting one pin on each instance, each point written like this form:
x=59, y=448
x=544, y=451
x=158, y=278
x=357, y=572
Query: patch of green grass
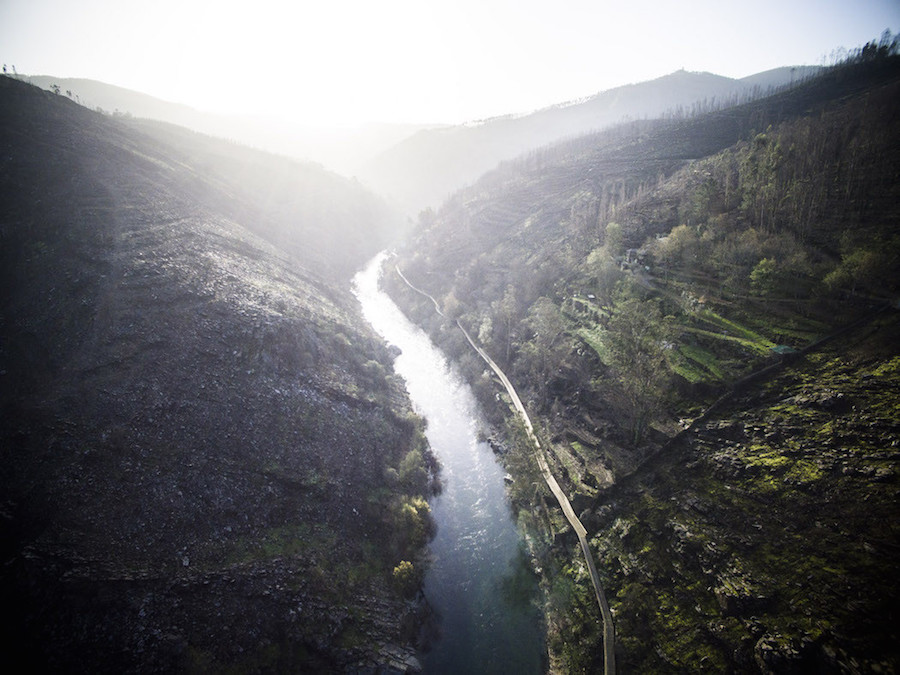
x=764, y=456
x=282, y=541
x=734, y=327
x=703, y=358
x=729, y=331
x=592, y=337
x=797, y=334
x=761, y=348
x=889, y=368
x=799, y=328
x=804, y=471
x=352, y=637
x=681, y=638
x=681, y=366
x=789, y=411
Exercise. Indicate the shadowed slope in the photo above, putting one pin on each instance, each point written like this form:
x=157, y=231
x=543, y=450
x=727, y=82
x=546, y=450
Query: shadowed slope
x=196, y=424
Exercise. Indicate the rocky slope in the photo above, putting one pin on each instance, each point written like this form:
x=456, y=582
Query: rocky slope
x=341, y=150
x=764, y=539
x=198, y=429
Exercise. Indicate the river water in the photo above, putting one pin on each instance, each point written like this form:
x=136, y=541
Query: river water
x=478, y=583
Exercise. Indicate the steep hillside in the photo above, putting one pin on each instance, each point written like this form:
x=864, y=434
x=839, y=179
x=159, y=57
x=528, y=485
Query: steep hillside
x=697, y=206
x=626, y=281
x=340, y=149
x=766, y=538
x=424, y=169
x=121, y=101
x=331, y=224
x=198, y=429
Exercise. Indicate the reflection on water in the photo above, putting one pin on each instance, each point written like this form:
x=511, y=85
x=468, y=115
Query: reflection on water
x=479, y=583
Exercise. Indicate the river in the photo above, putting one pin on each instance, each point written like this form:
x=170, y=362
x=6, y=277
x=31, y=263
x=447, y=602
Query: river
x=478, y=583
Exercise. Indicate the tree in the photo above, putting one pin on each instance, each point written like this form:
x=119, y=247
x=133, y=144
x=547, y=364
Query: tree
x=763, y=278
x=614, y=241
x=529, y=486
x=759, y=180
x=858, y=267
x=545, y=352
x=412, y=473
x=700, y=205
x=546, y=321
x=452, y=307
x=411, y=525
x=505, y=311
x=606, y=274
x=486, y=330
x=636, y=347
x=407, y=578
x=676, y=248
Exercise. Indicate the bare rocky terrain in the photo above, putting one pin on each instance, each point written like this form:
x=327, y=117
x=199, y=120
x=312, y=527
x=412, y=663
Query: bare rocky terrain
x=196, y=422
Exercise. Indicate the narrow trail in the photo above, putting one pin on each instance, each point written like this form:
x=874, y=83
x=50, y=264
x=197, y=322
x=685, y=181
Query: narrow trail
x=609, y=632
x=437, y=307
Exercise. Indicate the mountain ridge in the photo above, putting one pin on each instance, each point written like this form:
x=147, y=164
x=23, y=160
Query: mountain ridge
x=196, y=420
x=337, y=149
x=425, y=168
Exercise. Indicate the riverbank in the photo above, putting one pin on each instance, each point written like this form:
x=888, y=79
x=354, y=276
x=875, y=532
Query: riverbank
x=478, y=581
x=609, y=634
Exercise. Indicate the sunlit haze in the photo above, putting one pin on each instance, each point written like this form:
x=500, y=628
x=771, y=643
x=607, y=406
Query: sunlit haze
x=348, y=61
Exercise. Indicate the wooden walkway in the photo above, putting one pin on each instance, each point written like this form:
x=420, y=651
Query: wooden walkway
x=609, y=631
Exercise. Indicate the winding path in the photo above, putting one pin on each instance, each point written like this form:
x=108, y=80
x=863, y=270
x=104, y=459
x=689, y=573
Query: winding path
x=609, y=631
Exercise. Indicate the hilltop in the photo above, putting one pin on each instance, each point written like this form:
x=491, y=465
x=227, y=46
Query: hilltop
x=424, y=169
x=417, y=166
x=339, y=149
x=206, y=460
x=626, y=281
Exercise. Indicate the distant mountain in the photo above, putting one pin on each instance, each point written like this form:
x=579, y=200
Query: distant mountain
x=342, y=150
x=195, y=419
x=113, y=99
x=778, y=77
x=425, y=168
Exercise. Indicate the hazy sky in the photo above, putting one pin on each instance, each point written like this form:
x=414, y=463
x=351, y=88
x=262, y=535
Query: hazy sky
x=343, y=61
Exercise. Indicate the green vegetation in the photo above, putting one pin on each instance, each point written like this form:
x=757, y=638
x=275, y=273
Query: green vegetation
x=695, y=356
x=407, y=578
x=624, y=290
x=764, y=535
x=636, y=347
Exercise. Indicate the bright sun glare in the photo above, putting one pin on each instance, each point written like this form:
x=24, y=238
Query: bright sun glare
x=346, y=61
